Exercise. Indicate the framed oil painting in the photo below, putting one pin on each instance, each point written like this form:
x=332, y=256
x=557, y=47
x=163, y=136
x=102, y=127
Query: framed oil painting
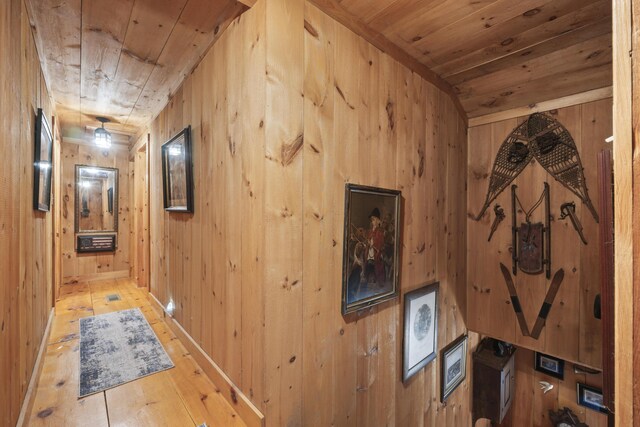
x=42, y=163
x=177, y=172
x=591, y=397
x=420, y=345
x=549, y=365
x=371, y=245
x=453, y=368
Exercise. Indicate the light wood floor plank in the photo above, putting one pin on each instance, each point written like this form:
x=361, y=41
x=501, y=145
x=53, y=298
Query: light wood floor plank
x=181, y=396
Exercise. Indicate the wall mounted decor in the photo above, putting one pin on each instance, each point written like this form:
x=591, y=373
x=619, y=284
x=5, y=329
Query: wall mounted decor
x=42, y=163
x=89, y=243
x=544, y=309
x=499, y=217
x=177, y=172
x=569, y=210
x=545, y=139
x=591, y=397
x=420, y=344
x=549, y=365
x=96, y=208
x=371, y=246
x=453, y=366
x=531, y=242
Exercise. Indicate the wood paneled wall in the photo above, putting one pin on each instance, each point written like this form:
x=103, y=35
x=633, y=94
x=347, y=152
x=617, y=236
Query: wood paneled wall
x=531, y=405
x=281, y=120
x=89, y=266
x=211, y=263
x=26, y=236
x=571, y=331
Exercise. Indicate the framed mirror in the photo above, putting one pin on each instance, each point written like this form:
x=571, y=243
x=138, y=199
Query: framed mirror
x=96, y=207
x=177, y=176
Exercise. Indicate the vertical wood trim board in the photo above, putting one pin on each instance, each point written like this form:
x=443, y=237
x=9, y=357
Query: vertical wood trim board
x=623, y=201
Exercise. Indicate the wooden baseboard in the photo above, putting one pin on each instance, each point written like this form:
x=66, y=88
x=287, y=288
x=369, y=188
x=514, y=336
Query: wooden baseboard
x=27, y=403
x=108, y=275
x=245, y=408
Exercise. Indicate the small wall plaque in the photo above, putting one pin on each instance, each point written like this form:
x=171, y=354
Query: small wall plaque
x=96, y=243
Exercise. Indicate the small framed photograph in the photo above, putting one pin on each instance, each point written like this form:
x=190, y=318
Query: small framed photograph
x=591, y=397
x=549, y=365
x=371, y=246
x=42, y=163
x=177, y=173
x=453, y=366
x=420, y=329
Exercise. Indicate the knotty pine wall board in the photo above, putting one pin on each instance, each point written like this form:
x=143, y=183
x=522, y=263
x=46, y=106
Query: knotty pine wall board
x=88, y=266
x=571, y=331
x=255, y=271
x=26, y=236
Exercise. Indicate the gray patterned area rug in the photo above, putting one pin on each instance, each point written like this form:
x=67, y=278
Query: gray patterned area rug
x=116, y=348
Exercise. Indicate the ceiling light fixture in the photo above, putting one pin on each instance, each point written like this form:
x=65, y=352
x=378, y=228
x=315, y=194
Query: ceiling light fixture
x=101, y=137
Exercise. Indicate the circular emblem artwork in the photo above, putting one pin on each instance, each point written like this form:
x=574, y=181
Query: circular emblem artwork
x=422, y=322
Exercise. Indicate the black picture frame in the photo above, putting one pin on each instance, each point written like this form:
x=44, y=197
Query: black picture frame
x=420, y=345
x=177, y=159
x=454, y=373
x=371, y=246
x=591, y=397
x=549, y=365
x=42, y=163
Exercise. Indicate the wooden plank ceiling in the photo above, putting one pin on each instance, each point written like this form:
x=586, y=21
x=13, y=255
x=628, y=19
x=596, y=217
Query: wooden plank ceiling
x=121, y=58
x=499, y=54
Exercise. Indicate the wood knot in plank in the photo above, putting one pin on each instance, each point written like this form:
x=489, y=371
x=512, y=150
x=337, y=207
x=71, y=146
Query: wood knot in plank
x=421, y=165
x=291, y=150
x=310, y=29
x=232, y=146
x=234, y=396
x=343, y=97
x=45, y=413
x=390, y=117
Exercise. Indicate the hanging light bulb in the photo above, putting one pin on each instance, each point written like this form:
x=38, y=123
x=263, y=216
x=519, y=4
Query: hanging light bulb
x=101, y=136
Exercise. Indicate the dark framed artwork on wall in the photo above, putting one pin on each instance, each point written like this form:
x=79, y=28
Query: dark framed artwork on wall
x=420, y=344
x=177, y=172
x=453, y=366
x=42, y=163
x=591, y=397
x=549, y=365
x=371, y=245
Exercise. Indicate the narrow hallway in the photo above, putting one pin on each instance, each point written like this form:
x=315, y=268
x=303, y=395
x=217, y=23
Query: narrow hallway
x=180, y=396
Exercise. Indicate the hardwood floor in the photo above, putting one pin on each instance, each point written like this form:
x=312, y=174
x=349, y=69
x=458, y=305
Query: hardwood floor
x=182, y=396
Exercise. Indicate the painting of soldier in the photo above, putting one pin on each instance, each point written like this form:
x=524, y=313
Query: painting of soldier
x=371, y=242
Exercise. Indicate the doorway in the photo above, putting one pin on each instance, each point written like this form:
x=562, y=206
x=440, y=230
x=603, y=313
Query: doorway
x=140, y=228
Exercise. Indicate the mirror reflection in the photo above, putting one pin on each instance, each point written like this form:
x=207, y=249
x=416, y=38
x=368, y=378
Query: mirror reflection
x=96, y=207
